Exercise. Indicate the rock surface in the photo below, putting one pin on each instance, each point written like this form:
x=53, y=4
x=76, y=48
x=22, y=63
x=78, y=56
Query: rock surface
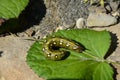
x=100, y=19
x=62, y=13
x=80, y=23
x=13, y=64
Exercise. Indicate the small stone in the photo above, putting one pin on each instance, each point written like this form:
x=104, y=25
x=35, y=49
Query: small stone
x=115, y=14
x=115, y=5
x=58, y=28
x=108, y=8
x=80, y=23
x=100, y=19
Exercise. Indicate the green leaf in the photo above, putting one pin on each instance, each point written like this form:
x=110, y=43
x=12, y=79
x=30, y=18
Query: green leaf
x=103, y=72
x=96, y=42
x=12, y=8
x=88, y=65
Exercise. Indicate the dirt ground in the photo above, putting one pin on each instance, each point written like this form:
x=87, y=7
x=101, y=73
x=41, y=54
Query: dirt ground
x=13, y=64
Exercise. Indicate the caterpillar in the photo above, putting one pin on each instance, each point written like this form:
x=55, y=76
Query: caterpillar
x=52, y=48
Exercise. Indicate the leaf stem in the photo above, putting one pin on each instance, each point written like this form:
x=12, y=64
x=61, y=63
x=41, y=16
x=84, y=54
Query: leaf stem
x=95, y=58
x=113, y=62
x=102, y=60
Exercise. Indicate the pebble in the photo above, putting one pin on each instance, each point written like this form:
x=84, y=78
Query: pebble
x=80, y=23
x=100, y=19
x=115, y=5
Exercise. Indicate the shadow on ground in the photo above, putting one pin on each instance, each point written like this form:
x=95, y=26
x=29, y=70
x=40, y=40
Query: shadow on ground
x=32, y=15
x=113, y=45
x=112, y=48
